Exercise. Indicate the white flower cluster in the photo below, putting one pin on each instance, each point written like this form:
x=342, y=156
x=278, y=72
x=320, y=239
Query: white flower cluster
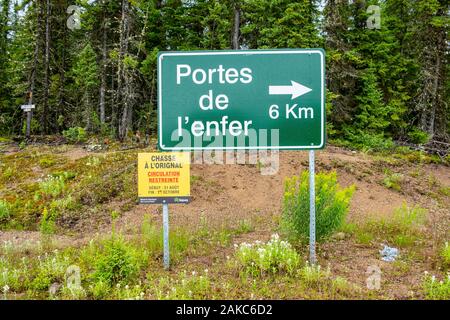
x=274, y=256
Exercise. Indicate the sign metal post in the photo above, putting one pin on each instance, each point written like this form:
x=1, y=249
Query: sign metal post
x=312, y=209
x=166, y=257
x=28, y=109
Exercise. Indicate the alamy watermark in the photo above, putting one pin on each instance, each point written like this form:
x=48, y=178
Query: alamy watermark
x=74, y=20
x=232, y=150
x=373, y=281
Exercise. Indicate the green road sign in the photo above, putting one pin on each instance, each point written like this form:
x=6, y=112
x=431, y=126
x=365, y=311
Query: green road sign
x=252, y=99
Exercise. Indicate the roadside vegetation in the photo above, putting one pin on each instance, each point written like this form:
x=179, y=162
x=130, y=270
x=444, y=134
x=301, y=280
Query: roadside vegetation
x=62, y=191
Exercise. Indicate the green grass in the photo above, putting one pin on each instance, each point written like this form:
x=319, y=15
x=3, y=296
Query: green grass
x=404, y=228
x=393, y=180
x=435, y=289
x=152, y=240
x=4, y=211
x=445, y=256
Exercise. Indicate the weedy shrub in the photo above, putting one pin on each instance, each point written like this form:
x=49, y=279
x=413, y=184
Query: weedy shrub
x=367, y=142
x=4, y=211
x=245, y=226
x=186, y=287
x=118, y=261
x=393, y=180
x=445, y=256
x=52, y=186
x=46, y=162
x=418, y=136
x=100, y=289
x=313, y=276
x=406, y=220
x=436, y=290
x=332, y=203
x=8, y=173
x=402, y=229
x=127, y=292
x=47, y=224
x=93, y=162
x=12, y=276
x=152, y=238
x=75, y=135
x=66, y=203
x=275, y=256
x=340, y=285
x=50, y=268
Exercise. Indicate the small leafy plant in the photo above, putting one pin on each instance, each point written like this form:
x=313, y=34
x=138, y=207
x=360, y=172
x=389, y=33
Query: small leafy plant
x=50, y=268
x=435, y=289
x=393, y=180
x=117, y=262
x=47, y=224
x=273, y=257
x=187, y=286
x=4, y=211
x=75, y=135
x=313, y=275
x=445, y=256
x=52, y=185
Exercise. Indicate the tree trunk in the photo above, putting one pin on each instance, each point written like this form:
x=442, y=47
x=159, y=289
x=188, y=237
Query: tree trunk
x=32, y=80
x=103, y=68
x=44, y=117
x=123, y=86
x=62, y=76
x=236, y=27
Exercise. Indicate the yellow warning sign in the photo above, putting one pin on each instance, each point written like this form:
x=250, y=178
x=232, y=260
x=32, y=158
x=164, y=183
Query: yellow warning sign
x=164, y=177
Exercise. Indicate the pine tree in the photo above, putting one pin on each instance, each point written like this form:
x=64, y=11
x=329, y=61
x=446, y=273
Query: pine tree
x=85, y=75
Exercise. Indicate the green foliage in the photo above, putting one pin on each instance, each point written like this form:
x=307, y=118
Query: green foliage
x=46, y=162
x=152, y=237
x=380, y=80
x=366, y=142
x=332, y=204
x=393, y=180
x=186, y=287
x=418, y=136
x=85, y=70
x=75, y=135
x=275, y=256
x=52, y=186
x=403, y=228
x=47, y=225
x=50, y=268
x=407, y=219
x=313, y=276
x=117, y=262
x=34, y=127
x=445, y=256
x=4, y=211
x=435, y=289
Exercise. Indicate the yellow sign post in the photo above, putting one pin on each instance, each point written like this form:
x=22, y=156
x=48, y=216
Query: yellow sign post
x=164, y=177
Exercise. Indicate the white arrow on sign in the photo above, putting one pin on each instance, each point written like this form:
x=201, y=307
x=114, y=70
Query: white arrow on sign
x=295, y=89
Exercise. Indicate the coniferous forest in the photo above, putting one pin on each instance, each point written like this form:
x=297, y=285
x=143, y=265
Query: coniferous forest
x=92, y=64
